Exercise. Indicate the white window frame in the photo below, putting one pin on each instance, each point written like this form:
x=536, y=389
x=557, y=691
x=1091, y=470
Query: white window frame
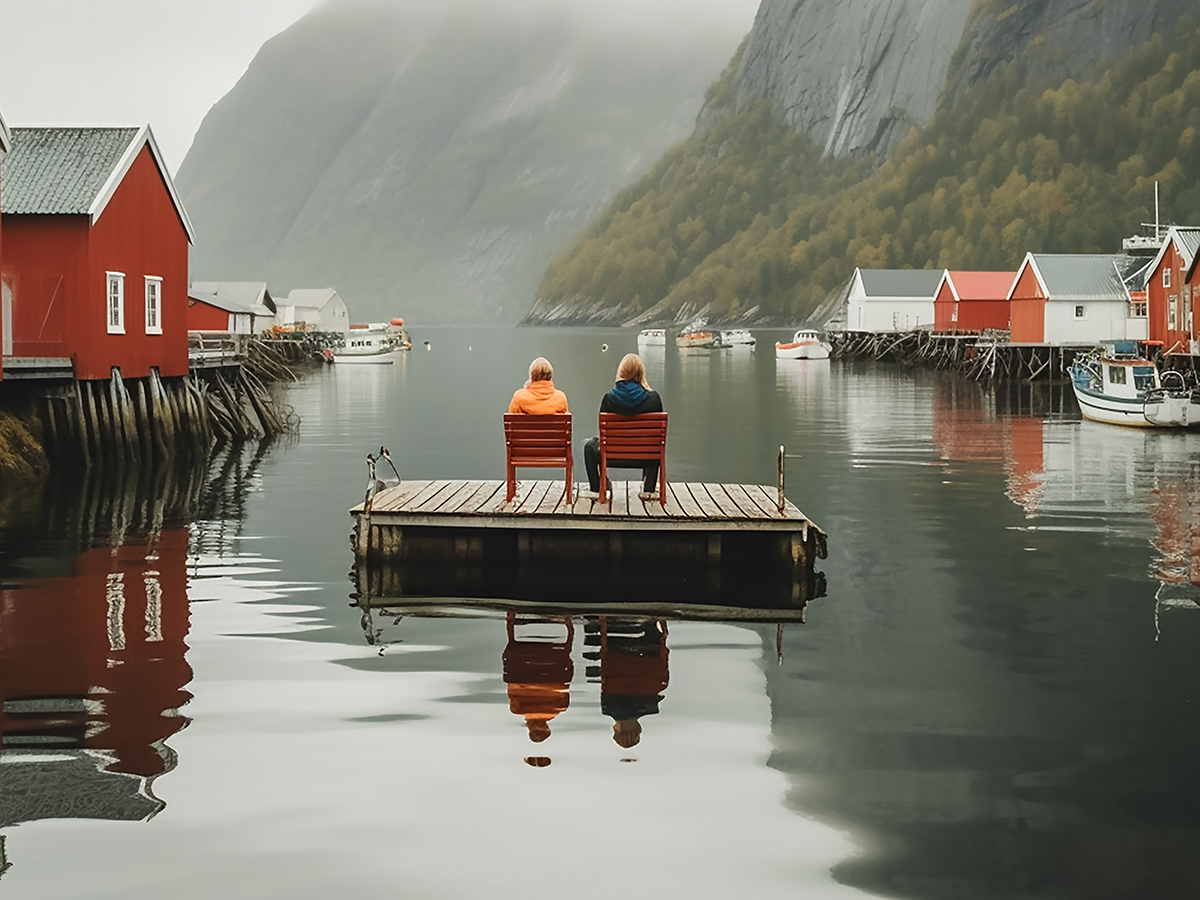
x=1173, y=313
x=1139, y=309
x=118, y=279
x=1080, y=311
x=154, y=281
x=1167, y=276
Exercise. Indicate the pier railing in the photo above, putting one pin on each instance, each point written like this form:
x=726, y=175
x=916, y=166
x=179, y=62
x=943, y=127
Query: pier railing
x=216, y=349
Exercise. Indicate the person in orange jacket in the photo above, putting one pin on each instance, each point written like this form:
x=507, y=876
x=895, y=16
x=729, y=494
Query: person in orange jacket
x=539, y=397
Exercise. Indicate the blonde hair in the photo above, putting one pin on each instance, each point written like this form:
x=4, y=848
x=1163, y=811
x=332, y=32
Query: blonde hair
x=633, y=369
x=541, y=370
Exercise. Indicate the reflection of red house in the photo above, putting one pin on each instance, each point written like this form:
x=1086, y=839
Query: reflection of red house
x=1026, y=461
x=96, y=659
x=1169, y=293
x=962, y=430
x=972, y=301
x=95, y=265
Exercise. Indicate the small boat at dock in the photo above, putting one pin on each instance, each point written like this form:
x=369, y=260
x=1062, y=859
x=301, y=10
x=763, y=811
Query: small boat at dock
x=805, y=344
x=652, y=337
x=1118, y=385
x=738, y=337
x=375, y=344
x=705, y=340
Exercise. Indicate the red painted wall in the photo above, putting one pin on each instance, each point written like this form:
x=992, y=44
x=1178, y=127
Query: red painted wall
x=45, y=267
x=56, y=641
x=139, y=233
x=1, y=276
x=202, y=317
x=943, y=309
x=1159, y=300
x=1028, y=309
x=56, y=267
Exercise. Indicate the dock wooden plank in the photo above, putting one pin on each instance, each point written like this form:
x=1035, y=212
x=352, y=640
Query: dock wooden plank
x=637, y=506
x=537, y=495
x=394, y=497
x=414, y=501
x=683, y=499
x=745, y=504
x=433, y=501
x=620, y=498
x=498, y=505
x=700, y=495
x=766, y=502
x=454, y=502
x=727, y=506
x=486, y=493
x=553, y=500
x=673, y=509
x=586, y=506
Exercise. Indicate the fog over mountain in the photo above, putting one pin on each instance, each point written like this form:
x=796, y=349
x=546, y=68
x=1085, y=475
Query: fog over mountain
x=429, y=160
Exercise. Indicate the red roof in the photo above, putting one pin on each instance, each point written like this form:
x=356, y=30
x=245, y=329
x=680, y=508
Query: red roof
x=981, y=285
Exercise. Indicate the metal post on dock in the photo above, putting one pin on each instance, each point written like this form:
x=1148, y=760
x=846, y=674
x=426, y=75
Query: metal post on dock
x=782, y=501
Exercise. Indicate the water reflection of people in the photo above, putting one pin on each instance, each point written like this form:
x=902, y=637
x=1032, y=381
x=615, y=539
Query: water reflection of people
x=538, y=671
x=633, y=672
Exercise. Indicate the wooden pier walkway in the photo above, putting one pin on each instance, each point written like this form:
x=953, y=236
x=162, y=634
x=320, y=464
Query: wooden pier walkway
x=691, y=506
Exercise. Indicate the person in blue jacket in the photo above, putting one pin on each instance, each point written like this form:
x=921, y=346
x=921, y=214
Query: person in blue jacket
x=630, y=396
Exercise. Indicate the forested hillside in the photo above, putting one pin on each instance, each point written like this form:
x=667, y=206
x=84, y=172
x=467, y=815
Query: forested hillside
x=748, y=215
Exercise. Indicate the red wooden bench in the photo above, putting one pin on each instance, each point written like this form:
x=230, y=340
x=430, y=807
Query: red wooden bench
x=538, y=442
x=628, y=438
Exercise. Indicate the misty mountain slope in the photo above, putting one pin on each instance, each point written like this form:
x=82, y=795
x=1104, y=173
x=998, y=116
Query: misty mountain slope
x=431, y=165
x=1052, y=126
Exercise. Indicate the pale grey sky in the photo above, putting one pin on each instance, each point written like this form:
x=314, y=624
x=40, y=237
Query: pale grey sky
x=166, y=62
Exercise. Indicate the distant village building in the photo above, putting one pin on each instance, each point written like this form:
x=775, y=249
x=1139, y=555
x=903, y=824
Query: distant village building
x=1169, y=295
x=1074, y=299
x=251, y=295
x=891, y=299
x=95, y=265
x=320, y=309
x=972, y=301
x=210, y=312
x=5, y=300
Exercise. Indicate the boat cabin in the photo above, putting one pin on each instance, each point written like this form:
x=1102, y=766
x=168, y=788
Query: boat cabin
x=1119, y=371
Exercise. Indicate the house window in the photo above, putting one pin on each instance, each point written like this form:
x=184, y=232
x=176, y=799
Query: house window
x=1139, y=309
x=153, y=304
x=116, y=302
x=1081, y=311
x=1166, y=278
x=1173, y=312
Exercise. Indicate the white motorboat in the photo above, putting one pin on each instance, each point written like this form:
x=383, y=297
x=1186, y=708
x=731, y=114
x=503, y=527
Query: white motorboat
x=367, y=346
x=702, y=339
x=805, y=344
x=652, y=337
x=738, y=337
x=1118, y=385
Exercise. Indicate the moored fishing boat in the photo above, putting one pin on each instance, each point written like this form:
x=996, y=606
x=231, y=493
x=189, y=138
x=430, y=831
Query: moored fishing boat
x=652, y=337
x=805, y=344
x=738, y=337
x=1116, y=384
x=697, y=339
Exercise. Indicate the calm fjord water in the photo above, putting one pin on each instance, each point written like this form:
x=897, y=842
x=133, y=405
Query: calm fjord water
x=997, y=697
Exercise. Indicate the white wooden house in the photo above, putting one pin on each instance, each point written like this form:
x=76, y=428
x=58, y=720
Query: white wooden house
x=892, y=299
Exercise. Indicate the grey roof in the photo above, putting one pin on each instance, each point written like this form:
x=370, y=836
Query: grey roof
x=915, y=283
x=251, y=294
x=1085, y=276
x=220, y=302
x=1187, y=240
x=311, y=297
x=60, y=171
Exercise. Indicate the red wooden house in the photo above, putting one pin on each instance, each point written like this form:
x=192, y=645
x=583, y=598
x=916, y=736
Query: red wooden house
x=5, y=350
x=95, y=266
x=1168, y=293
x=972, y=301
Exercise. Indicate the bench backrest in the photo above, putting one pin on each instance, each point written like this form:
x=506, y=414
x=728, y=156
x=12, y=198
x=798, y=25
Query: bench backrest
x=633, y=437
x=544, y=440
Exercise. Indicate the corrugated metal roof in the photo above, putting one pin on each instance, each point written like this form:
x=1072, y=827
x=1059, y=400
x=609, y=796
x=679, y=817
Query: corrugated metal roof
x=982, y=285
x=251, y=294
x=1085, y=276
x=60, y=171
x=1187, y=241
x=921, y=283
x=219, y=302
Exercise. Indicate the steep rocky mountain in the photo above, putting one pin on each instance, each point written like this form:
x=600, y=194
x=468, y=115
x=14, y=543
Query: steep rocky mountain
x=893, y=133
x=429, y=160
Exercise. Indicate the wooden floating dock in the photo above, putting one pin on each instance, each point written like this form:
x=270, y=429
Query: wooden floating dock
x=708, y=542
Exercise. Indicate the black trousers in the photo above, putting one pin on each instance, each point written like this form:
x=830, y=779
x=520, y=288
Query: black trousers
x=591, y=461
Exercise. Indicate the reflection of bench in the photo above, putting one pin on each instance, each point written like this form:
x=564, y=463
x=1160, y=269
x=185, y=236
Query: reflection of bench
x=633, y=439
x=537, y=442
